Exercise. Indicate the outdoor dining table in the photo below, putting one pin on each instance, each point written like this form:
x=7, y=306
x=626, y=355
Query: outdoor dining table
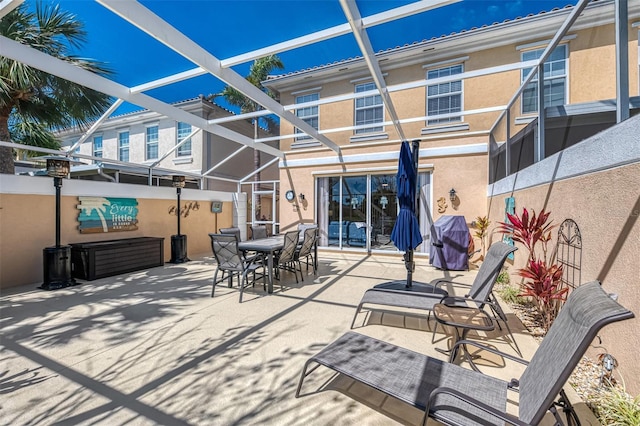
x=266, y=246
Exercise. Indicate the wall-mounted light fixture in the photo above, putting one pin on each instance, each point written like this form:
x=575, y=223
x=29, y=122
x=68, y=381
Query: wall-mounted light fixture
x=178, y=241
x=301, y=197
x=452, y=195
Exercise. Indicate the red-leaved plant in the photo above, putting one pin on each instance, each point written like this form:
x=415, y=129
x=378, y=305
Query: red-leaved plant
x=542, y=280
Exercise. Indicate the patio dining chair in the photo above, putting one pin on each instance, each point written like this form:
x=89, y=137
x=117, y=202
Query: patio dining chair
x=286, y=258
x=231, y=260
x=258, y=232
x=305, y=250
x=479, y=293
x=454, y=395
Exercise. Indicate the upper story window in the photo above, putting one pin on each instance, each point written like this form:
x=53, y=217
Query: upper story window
x=184, y=130
x=123, y=146
x=97, y=146
x=444, y=98
x=368, y=109
x=308, y=114
x=555, y=80
x=152, y=142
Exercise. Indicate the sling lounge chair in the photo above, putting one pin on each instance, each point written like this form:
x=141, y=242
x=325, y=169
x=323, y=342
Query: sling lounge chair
x=454, y=395
x=480, y=292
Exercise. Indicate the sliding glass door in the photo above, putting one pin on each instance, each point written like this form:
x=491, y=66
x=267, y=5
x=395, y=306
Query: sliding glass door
x=359, y=211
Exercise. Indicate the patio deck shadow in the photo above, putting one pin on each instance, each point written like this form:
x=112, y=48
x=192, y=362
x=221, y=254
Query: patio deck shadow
x=152, y=347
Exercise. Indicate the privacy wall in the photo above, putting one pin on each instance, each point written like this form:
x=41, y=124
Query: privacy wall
x=27, y=219
x=596, y=184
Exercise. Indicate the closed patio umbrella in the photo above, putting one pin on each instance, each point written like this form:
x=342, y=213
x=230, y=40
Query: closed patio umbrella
x=406, y=232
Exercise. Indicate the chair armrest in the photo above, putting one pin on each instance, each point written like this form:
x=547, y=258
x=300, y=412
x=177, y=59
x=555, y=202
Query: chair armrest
x=509, y=418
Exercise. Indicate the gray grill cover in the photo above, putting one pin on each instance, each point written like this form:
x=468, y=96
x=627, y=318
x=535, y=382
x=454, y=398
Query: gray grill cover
x=449, y=249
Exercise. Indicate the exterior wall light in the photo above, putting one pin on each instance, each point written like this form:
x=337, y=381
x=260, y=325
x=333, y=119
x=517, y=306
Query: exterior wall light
x=452, y=195
x=301, y=197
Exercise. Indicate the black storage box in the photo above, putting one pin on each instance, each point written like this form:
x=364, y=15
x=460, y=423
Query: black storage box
x=99, y=259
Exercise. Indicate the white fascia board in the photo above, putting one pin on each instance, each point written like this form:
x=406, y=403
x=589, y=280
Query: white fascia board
x=446, y=151
x=39, y=60
x=147, y=21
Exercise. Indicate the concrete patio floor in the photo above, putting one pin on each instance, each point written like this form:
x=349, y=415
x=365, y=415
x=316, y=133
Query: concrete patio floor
x=153, y=348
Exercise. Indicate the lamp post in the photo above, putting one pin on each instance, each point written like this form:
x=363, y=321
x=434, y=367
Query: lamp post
x=57, y=259
x=178, y=241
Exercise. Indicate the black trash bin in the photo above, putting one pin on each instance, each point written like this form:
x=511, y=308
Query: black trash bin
x=450, y=246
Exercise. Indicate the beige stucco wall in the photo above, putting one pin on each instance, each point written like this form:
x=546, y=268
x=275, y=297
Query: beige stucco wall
x=606, y=207
x=591, y=68
x=467, y=174
x=27, y=220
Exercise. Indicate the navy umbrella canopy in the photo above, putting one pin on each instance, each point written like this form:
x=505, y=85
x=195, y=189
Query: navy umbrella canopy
x=406, y=234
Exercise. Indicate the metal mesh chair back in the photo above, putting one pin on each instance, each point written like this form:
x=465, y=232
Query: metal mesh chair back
x=489, y=270
x=231, y=231
x=225, y=250
x=587, y=310
x=307, y=243
x=287, y=254
x=258, y=232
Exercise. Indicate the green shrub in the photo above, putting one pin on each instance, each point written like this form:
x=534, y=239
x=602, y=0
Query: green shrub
x=503, y=277
x=616, y=407
x=511, y=295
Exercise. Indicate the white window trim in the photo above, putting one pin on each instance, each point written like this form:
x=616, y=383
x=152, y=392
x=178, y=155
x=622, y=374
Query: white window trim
x=445, y=64
x=313, y=89
x=566, y=75
x=178, y=141
x=146, y=141
x=541, y=44
x=119, y=132
x=303, y=137
x=442, y=64
x=355, y=108
x=93, y=146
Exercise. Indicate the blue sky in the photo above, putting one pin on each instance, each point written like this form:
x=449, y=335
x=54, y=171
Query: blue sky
x=230, y=27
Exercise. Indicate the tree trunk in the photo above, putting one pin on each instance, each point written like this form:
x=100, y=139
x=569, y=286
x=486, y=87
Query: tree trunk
x=7, y=165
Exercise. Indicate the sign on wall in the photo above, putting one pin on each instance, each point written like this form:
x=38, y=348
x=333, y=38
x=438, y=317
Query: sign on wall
x=106, y=214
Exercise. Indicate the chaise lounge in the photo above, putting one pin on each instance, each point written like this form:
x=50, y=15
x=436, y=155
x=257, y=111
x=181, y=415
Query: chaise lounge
x=454, y=395
x=479, y=294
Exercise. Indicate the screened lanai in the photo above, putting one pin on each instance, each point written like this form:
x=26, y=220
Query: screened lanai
x=156, y=22
x=365, y=27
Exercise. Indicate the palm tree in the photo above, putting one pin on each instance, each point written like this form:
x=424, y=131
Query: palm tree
x=259, y=71
x=33, y=102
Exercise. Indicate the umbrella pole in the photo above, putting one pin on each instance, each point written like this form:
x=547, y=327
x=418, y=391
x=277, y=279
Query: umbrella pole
x=408, y=256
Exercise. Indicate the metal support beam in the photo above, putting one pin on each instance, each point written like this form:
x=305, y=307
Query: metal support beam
x=39, y=60
x=7, y=6
x=622, y=60
x=147, y=21
x=568, y=23
x=174, y=148
x=97, y=124
x=539, y=141
x=352, y=13
x=229, y=157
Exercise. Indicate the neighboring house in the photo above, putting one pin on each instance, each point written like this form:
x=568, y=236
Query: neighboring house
x=144, y=137
x=448, y=92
